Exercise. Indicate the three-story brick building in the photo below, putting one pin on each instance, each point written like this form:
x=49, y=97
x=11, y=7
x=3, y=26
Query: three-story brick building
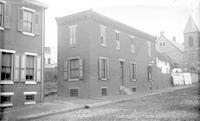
x=98, y=56
x=21, y=52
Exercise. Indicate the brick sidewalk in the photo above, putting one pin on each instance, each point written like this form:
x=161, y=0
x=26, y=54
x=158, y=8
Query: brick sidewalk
x=56, y=105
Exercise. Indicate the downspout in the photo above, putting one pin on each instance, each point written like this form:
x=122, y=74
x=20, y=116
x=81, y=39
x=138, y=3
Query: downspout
x=42, y=56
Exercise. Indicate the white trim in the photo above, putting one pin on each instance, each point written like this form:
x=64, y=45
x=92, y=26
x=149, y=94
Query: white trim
x=32, y=54
x=103, y=58
x=73, y=58
x=8, y=51
x=6, y=82
x=6, y=105
x=30, y=93
x=28, y=33
x=29, y=102
x=30, y=82
x=77, y=79
x=72, y=26
x=131, y=36
x=28, y=9
x=6, y=93
x=123, y=60
x=117, y=31
x=134, y=80
x=1, y=28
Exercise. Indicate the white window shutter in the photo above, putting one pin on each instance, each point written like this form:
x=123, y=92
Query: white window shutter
x=81, y=69
x=37, y=23
x=107, y=69
x=33, y=25
x=20, y=19
x=7, y=13
x=38, y=68
x=65, y=70
x=23, y=68
x=99, y=68
x=0, y=64
x=131, y=71
x=16, y=67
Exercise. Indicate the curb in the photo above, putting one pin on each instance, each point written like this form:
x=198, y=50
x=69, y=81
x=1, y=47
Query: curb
x=98, y=104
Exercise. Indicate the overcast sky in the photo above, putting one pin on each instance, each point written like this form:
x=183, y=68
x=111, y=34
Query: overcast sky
x=151, y=16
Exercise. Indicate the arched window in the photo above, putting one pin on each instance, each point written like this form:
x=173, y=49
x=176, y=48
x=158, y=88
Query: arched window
x=191, y=41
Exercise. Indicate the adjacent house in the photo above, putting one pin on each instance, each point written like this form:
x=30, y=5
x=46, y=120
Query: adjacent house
x=172, y=48
x=21, y=48
x=99, y=56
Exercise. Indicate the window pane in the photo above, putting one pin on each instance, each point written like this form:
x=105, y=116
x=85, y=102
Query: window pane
x=27, y=21
x=6, y=66
x=30, y=67
x=74, y=68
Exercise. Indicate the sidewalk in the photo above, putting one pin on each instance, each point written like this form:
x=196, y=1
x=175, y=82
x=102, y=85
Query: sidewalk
x=58, y=105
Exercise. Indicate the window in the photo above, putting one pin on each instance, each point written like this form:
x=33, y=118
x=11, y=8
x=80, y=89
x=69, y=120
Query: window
x=132, y=71
x=49, y=60
x=2, y=6
x=28, y=21
x=29, y=97
x=30, y=67
x=104, y=91
x=117, y=41
x=6, y=99
x=133, y=89
x=103, y=35
x=132, y=44
x=149, y=48
x=74, y=68
x=103, y=68
x=72, y=34
x=6, y=66
x=191, y=41
x=73, y=92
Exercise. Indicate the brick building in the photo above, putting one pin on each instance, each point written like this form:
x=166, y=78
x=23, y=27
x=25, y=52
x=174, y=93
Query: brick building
x=21, y=48
x=98, y=56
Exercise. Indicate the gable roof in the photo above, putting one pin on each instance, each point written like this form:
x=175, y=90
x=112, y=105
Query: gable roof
x=36, y=3
x=90, y=14
x=180, y=47
x=190, y=26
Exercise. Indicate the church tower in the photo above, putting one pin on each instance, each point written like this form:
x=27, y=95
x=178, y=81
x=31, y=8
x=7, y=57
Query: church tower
x=192, y=46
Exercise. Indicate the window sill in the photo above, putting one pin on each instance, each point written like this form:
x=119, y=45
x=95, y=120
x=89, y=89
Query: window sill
x=103, y=45
x=30, y=82
x=6, y=105
x=1, y=28
x=72, y=46
x=134, y=80
x=29, y=102
x=6, y=82
x=27, y=33
x=104, y=79
x=74, y=79
x=6, y=93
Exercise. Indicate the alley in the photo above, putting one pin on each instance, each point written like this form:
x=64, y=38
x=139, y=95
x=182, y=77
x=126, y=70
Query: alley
x=175, y=106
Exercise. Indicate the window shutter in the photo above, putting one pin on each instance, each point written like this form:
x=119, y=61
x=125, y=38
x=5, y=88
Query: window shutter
x=99, y=69
x=33, y=20
x=38, y=79
x=0, y=65
x=20, y=19
x=7, y=13
x=37, y=22
x=23, y=68
x=81, y=72
x=65, y=70
x=107, y=69
x=16, y=67
x=130, y=71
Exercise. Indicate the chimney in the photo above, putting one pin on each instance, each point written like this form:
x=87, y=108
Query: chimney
x=174, y=38
x=162, y=33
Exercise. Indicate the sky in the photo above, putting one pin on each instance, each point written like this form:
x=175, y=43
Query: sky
x=151, y=16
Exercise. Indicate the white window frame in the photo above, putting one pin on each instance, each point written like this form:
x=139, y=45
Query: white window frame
x=33, y=12
x=35, y=67
x=132, y=45
x=107, y=68
x=7, y=94
x=133, y=63
x=117, y=40
x=106, y=91
x=103, y=35
x=77, y=79
x=3, y=3
x=30, y=102
x=12, y=70
x=72, y=35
